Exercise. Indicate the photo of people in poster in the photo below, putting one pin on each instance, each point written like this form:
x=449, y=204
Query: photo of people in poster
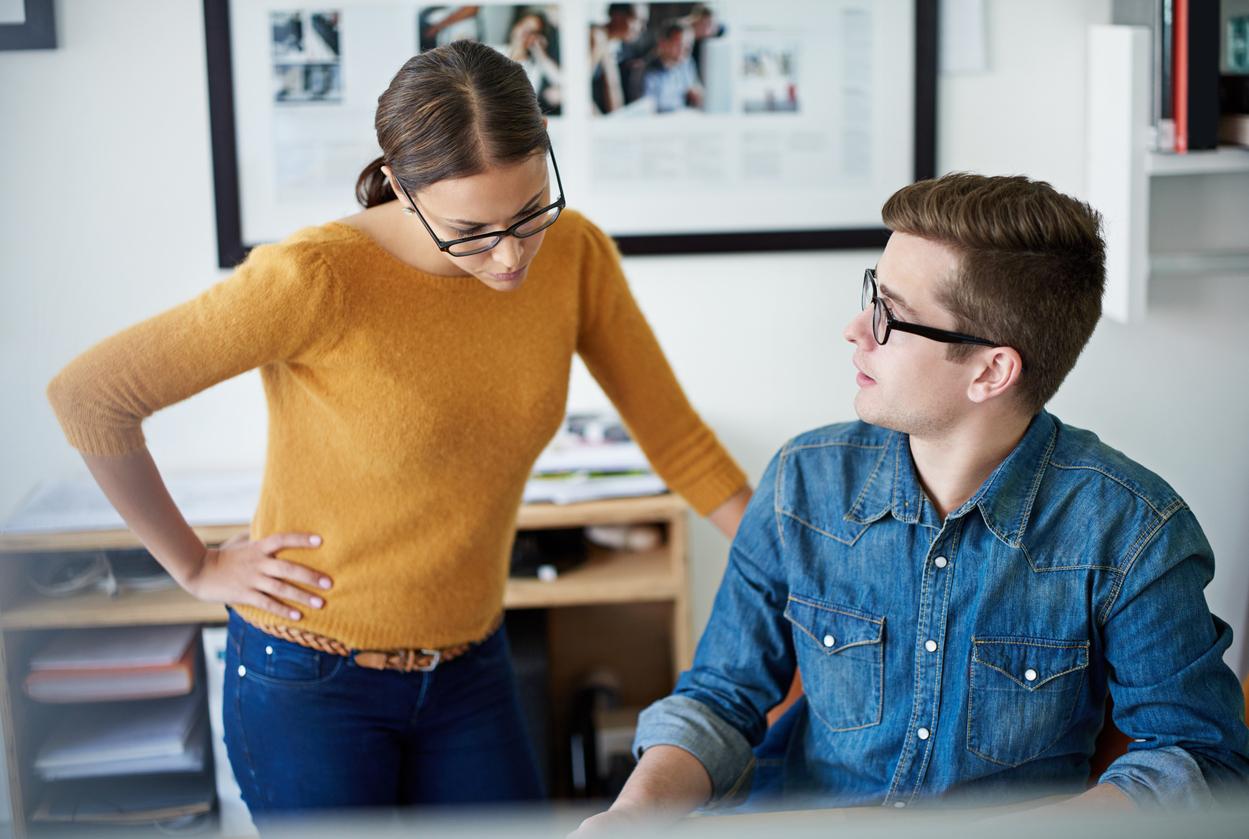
x=659, y=58
x=526, y=33
x=305, y=53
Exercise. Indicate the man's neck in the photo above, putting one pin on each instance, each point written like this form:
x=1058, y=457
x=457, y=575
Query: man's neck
x=951, y=467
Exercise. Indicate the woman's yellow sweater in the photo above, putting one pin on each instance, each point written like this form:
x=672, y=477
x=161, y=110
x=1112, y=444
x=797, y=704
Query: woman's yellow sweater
x=406, y=411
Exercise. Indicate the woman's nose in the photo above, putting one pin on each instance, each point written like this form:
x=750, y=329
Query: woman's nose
x=507, y=253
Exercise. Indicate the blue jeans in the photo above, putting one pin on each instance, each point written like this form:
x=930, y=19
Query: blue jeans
x=307, y=730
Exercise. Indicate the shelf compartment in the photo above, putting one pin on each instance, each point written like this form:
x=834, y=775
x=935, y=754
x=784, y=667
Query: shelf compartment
x=606, y=577
x=1225, y=160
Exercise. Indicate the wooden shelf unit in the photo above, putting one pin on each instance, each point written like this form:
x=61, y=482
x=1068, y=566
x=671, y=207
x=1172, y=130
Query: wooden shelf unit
x=625, y=611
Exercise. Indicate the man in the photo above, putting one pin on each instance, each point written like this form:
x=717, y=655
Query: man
x=962, y=580
x=618, y=51
x=671, y=79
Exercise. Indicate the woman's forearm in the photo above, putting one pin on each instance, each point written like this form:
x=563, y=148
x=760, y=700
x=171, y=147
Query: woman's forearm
x=728, y=515
x=134, y=486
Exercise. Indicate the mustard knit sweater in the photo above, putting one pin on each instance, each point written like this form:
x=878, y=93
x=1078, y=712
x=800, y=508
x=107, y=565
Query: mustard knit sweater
x=406, y=410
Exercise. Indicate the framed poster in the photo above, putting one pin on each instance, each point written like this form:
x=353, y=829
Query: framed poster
x=731, y=125
x=27, y=25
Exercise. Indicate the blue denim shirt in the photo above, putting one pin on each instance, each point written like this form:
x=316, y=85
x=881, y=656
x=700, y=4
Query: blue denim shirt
x=970, y=656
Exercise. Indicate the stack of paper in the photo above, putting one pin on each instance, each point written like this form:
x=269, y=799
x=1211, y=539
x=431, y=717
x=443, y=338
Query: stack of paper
x=133, y=662
x=78, y=504
x=591, y=457
x=164, y=735
x=159, y=798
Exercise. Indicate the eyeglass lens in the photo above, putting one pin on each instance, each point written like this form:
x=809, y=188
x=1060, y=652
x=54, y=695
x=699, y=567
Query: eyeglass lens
x=869, y=297
x=529, y=228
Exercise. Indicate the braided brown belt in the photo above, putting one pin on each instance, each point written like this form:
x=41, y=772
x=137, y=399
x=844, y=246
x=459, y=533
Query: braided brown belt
x=405, y=660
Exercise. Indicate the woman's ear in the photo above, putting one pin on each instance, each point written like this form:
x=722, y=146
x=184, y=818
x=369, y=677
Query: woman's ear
x=394, y=188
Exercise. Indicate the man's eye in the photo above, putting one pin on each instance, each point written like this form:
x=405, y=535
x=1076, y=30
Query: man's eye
x=469, y=232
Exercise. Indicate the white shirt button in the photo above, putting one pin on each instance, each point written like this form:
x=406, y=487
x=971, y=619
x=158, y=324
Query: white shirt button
x=931, y=646
x=268, y=650
x=941, y=562
x=1029, y=675
x=923, y=733
x=830, y=641
x=242, y=671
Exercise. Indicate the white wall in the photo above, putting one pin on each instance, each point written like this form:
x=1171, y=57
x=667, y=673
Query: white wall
x=106, y=216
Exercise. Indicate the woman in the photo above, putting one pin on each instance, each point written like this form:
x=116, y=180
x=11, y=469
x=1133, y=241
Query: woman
x=528, y=46
x=415, y=358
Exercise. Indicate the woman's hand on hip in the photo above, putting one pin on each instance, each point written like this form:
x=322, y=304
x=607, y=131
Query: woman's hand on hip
x=246, y=572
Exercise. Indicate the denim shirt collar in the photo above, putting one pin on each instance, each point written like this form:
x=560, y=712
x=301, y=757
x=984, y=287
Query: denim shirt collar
x=1004, y=499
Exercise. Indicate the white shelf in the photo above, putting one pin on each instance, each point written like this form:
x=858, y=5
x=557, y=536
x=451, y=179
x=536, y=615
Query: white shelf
x=1192, y=263
x=1121, y=166
x=1225, y=160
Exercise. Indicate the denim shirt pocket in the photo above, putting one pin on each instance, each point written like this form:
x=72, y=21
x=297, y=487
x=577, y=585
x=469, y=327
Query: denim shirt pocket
x=841, y=657
x=1022, y=692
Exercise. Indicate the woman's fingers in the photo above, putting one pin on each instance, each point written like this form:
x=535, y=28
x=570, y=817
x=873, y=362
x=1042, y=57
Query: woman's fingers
x=288, y=592
x=296, y=573
x=262, y=601
x=281, y=541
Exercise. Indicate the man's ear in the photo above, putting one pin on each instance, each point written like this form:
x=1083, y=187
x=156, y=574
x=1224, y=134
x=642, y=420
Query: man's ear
x=998, y=374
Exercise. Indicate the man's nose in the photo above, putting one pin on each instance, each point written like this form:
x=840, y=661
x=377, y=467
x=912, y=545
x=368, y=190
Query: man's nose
x=859, y=329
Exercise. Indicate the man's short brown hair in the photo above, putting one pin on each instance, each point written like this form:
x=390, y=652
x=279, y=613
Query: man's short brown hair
x=1032, y=267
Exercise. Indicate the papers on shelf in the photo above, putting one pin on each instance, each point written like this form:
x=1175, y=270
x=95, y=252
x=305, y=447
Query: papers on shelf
x=574, y=487
x=591, y=457
x=127, y=738
x=78, y=504
x=132, y=662
x=123, y=646
x=159, y=798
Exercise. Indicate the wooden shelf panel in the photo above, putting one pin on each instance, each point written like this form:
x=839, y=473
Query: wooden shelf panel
x=99, y=540
x=98, y=609
x=656, y=508
x=653, y=508
x=607, y=577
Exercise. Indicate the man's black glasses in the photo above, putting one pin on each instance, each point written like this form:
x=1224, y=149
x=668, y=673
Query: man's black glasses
x=530, y=225
x=883, y=321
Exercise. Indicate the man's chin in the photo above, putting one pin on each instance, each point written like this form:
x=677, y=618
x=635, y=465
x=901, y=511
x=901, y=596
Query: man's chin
x=874, y=416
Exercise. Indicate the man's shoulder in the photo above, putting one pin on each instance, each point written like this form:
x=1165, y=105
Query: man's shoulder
x=1082, y=462
x=1094, y=507
x=832, y=458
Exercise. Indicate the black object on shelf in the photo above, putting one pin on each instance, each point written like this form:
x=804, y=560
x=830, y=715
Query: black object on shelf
x=1203, y=74
x=548, y=553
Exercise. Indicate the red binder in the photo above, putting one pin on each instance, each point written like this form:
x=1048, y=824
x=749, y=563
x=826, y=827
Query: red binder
x=1180, y=75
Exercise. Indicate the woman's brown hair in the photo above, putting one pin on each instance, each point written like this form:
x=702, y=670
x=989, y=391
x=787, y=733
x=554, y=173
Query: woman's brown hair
x=452, y=112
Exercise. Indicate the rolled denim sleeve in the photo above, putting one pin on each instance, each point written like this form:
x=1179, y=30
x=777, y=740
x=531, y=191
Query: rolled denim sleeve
x=691, y=725
x=1173, y=693
x=744, y=661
